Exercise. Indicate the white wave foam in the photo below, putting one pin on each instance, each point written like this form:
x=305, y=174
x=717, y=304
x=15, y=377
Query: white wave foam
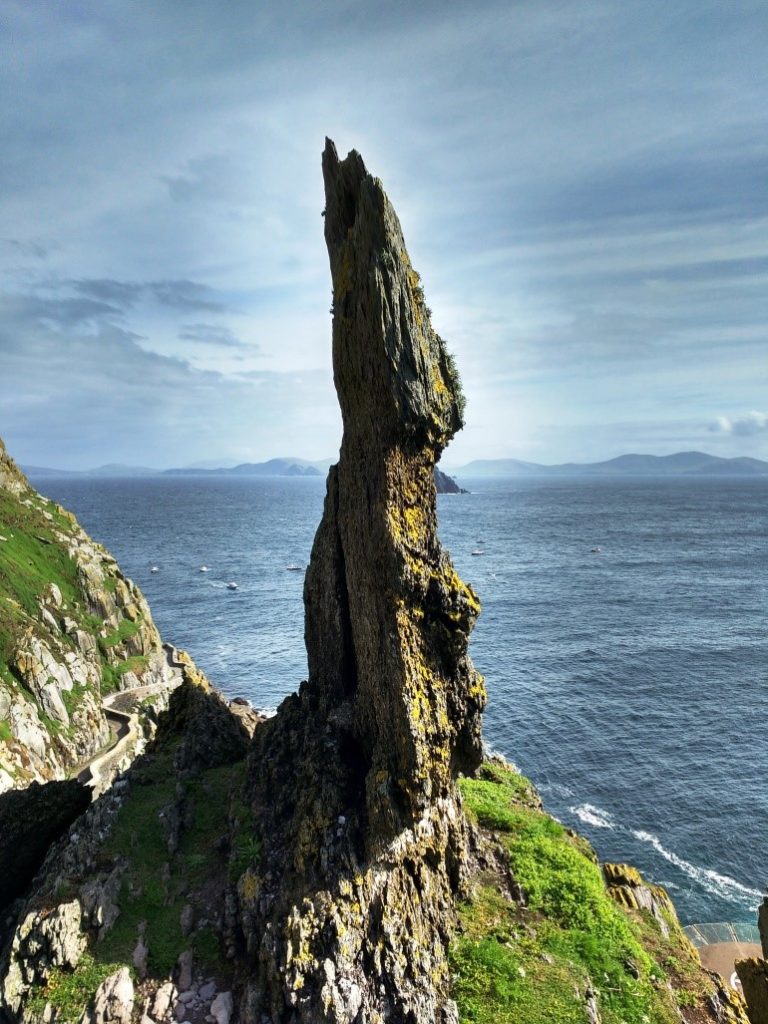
x=719, y=885
x=556, y=788
x=595, y=816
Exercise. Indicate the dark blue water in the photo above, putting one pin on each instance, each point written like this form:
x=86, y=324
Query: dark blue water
x=630, y=684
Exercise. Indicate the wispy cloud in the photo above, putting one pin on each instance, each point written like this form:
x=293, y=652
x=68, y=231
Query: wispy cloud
x=210, y=334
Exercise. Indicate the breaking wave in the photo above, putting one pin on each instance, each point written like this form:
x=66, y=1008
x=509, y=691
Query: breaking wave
x=718, y=885
x=595, y=816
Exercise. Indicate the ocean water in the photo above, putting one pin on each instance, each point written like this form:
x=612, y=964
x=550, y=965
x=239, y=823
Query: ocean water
x=631, y=683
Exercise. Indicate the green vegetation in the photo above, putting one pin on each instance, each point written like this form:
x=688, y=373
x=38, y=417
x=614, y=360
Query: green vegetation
x=70, y=991
x=111, y=674
x=5, y=732
x=151, y=891
x=536, y=963
x=124, y=631
x=155, y=884
x=30, y=558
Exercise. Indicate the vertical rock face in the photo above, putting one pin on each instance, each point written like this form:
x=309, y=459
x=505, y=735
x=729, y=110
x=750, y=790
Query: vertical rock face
x=349, y=907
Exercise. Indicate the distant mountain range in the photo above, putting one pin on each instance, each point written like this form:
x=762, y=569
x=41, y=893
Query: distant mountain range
x=680, y=464
x=273, y=467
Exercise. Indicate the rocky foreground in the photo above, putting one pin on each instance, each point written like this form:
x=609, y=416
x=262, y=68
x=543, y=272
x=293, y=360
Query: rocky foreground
x=353, y=860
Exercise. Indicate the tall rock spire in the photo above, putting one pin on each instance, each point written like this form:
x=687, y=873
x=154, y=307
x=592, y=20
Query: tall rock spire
x=362, y=835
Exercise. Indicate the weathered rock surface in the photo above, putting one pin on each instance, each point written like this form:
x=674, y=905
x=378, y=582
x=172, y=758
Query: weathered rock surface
x=348, y=915
x=753, y=975
x=30, y=820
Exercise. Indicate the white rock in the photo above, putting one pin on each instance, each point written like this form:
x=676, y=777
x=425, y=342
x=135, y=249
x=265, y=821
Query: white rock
x=164, y=998
x=208, y=991
x=113, y=1002
x=140, y=954
x=221, y=1008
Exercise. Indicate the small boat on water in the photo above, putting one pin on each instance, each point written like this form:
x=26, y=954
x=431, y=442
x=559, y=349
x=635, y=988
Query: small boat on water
x=477, y=552
x=155, y=568
x=294, y=568
x=595, y=551
x=231, y=586
x=203, y=568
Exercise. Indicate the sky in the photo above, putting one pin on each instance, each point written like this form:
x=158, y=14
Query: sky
x=582, y=186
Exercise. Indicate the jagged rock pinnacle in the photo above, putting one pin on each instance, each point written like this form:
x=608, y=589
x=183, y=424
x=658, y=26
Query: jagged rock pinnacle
x=354, y=778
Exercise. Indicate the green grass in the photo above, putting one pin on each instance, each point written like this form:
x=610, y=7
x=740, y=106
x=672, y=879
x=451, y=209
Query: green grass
x=30, y=559
x=124, y=631
x=145, y=895
x=70, y=991
x=524, y=965
x=5, y=732
x=111, y=674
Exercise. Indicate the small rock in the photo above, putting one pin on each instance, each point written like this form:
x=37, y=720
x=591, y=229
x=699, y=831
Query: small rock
x=140, y=959
x=185, y=970
x=187, y=997
x=164, y=997
x=187, y=919
x=221, y=1008
x=113, y=1002
x=208, y=990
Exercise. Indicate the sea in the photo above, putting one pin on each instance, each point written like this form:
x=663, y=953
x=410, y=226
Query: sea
x=623, y=638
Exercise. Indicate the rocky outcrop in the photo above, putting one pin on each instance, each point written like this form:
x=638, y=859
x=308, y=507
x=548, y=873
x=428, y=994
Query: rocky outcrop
x=753, y=973
x=628, y=887
x=445, y=484
x=347, y=915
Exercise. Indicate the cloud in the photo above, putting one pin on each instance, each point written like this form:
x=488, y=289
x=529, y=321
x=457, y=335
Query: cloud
x=58, y=312
x=744, y=426
x=32, y=248
x=123, y=293
x=210, y=334
x=185, y=295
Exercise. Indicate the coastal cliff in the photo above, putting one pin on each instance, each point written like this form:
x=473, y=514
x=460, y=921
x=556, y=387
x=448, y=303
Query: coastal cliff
x=356, y=859
x=73, y=630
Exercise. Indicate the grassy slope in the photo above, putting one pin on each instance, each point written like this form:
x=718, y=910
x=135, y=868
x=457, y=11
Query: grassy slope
x=33, y=555
x=515, y=965
x=156, y=885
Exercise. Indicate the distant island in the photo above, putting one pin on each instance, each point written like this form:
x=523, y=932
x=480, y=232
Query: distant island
x=679, y=464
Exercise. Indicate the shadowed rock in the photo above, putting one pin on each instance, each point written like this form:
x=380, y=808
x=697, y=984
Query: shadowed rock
x=349, y=910
x=30, y=820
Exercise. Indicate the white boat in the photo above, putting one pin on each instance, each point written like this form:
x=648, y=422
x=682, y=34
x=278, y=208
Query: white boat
x=203, y=568
x=478, y=552
x=231, y=586
x=596, y=551
x=154, y=569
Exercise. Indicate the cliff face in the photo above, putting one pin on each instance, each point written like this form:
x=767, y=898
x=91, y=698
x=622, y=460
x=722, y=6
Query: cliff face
x=73, y=629
x=348, y=910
